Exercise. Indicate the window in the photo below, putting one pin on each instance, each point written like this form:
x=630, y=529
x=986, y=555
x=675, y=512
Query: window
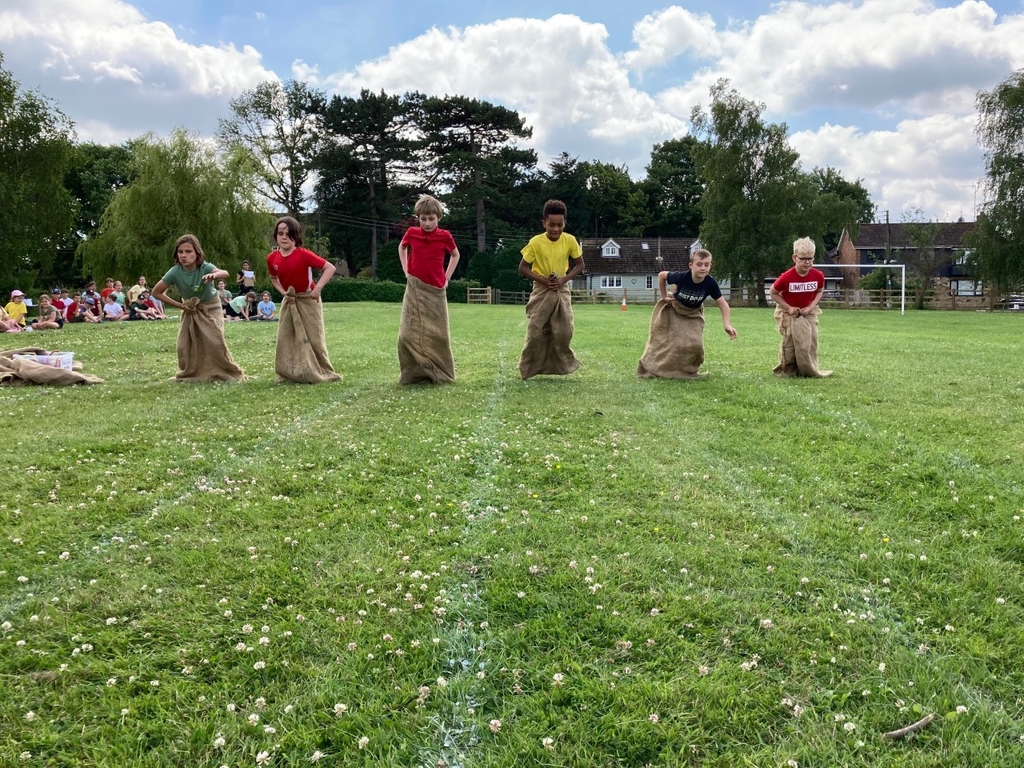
x=650, y=282
x=611, y=281
x=610, y=252
x=965, y=288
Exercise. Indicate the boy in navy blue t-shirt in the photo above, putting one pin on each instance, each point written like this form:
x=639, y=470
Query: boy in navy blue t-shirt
x=675, y=347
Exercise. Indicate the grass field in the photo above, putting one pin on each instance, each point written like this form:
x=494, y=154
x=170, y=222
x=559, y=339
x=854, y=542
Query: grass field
x=582, y=571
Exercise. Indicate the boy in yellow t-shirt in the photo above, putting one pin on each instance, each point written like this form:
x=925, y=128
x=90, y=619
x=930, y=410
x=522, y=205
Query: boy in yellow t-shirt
x=546, y=261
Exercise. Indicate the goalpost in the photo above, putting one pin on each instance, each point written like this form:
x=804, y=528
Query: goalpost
x=901, y=267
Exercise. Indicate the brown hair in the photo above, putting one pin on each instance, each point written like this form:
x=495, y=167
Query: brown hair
x=554, y=207
x=194, y=242
x=294, y=229
x=428, y=205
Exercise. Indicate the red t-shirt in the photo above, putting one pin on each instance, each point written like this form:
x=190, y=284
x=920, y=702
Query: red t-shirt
x=104, y=293
x=296, y=269
x=70, y=310
x=426, y=253
x=799, y=291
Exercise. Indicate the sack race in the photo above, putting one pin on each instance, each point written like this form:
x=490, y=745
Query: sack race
x=15, y=371
x=675, y=347
x=798, y=354
x=548, y=334
x=202, y=352
x=301, y=343
x=424, y=341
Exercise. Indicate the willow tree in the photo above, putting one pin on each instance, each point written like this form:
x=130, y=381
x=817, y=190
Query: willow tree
x=179, y=186
x=997, y=241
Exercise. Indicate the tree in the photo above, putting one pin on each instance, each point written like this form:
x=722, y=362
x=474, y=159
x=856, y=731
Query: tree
x=829, y=181
x=36, y=152
x=673, y=189
x=278, y=126
x=369, y=162
x=473, y=148
x=180, y=186
x=923, y=260
x=997, y=241
x=756, y=200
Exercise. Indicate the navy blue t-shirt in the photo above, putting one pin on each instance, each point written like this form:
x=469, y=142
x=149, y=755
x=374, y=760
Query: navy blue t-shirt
x=691, y=294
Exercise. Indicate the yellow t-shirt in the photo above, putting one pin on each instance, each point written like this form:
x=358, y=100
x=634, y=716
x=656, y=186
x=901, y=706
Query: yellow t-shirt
x=17, y=310
x=551, y=257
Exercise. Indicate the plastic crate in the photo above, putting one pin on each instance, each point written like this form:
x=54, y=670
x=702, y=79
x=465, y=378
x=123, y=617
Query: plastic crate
x=63, y=360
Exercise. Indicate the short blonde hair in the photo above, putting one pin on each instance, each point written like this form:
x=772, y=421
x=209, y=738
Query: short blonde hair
x=803, y=247
x=427, y=206
x=700, y=253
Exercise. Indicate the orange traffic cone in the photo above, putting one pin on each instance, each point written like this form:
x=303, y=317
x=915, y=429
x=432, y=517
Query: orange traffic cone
x=623, y=303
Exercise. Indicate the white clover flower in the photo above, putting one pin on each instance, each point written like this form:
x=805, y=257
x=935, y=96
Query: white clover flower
x=495, y=726
x=363, y=741
x=340, y=709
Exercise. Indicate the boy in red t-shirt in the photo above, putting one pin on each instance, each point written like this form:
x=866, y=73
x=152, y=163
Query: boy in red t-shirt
x=301, y=343
x=424, y=342
x=796, y=294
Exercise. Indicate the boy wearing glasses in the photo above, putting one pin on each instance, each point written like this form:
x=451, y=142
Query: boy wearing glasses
x=796, y=294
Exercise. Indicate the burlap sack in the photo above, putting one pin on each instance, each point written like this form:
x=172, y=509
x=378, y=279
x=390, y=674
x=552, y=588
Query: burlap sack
x=548, y=334
x=424, y=342
x=301, y=343
x=14, y=372
x=798, y=353
x=675, y=347
x=202, y=352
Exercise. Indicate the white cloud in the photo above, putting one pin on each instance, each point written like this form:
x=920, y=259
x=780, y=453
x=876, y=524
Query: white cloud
x=106, y=60
x=903, y=53
x=661, y=37
x=558, y=73
x=929, y=163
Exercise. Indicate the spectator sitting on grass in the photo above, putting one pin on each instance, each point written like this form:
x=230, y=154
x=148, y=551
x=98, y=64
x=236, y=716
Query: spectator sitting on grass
x=240, y=307
x=139, y=309
x=16, y=307
x=49, y=318
x=266, y=308
x=112, y=310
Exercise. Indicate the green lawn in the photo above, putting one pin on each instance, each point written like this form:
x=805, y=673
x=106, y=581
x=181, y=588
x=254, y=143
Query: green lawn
x=583, y=571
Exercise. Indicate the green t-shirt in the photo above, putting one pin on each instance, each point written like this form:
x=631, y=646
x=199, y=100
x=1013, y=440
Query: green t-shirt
x=190, y=284
x=238, y=303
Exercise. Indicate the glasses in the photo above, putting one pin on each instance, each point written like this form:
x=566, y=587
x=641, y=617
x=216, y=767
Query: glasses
x=810, y=260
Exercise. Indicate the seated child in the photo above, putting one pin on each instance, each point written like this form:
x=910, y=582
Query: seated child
x=71, y=313
x=156, y=305
x=266, y=308
x=112, y=310
x=16, y=307
x=139, y=309
x=675, y=347
x=241, y=307
x=796, y=293
x=50, y=318
x=7, y=323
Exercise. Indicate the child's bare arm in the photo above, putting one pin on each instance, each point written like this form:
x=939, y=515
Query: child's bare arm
x=403, y=256
x=724, y=306
x=663, y=285
x=453, y=262
x=809, y=309
x=326, y=273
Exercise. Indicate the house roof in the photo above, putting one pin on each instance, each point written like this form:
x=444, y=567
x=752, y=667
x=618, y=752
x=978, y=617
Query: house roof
x=633, y=258
x=873, y=236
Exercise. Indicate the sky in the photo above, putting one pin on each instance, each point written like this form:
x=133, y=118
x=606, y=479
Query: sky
x=882, y=90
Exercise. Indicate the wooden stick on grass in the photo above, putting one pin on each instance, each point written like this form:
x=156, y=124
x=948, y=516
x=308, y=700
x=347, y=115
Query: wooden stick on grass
x=912, y=728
